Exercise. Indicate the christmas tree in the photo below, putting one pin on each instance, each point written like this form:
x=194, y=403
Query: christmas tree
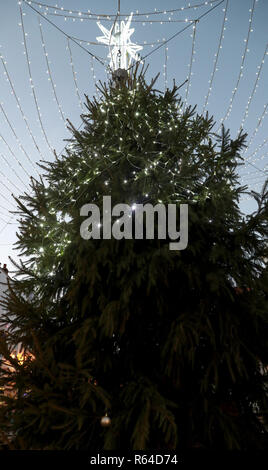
x=126, y=344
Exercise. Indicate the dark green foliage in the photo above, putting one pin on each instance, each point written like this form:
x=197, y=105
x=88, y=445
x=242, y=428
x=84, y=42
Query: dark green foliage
x=170, y=344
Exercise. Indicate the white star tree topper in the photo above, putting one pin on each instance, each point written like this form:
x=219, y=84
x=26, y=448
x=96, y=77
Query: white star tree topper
x=122, y=50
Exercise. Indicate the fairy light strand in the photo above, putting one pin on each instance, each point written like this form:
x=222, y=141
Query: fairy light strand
x=143, y=22
x=245, y=116
x=17, y=139
x=92, y=68
x=165, y=68
x=50, y=77
x=10, y=166
x=259, y=124
x=74, y=74
x=10, y=182
x=178, y=33
x=217, y=55
x=240, y=75
x=105, y=15
x=99, y=59
x=32, y=84
x=13, y=92
x=14, y=156
x=192, y=60
x=249, y=157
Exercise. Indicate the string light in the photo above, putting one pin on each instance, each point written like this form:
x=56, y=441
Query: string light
x=165, y=68
x=92, y=68
x=32, y=84
x=50, y=74
x=216, y=56
x=17, y=139
x=180, y=32
x=109, y=16
x=74, y=74
x=10, y=182
x=13, y=155
x=240, y=75
x=257, y=149
x=62, y=32
x=13, y=92
x=245, y=116
x=103, y=19
x=259, y=124
x=190, y=74
x=10, y=166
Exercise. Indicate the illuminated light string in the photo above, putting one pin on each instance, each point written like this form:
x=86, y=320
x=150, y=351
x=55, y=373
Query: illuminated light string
x=240, y=75
x=9, y=165
x=192, y=60
x=10, y=182
x=254, y=160
x=261, y=170
x=15, y=158
x=250, y=157
x=259, y=124
x=31, y=82
x=17, y=139
x=50, y=77
x=260, y=177
x=99, y=59
x=245, y=116
x=74, y=73
x=165, y=68
x=216, y=58
x=13, y=92
x=179, y=32
x=105, y=15
x=92, y=68
x=250, y=173
x=143, y=22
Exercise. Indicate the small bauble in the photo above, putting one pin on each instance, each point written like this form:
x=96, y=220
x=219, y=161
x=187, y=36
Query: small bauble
x=105, y=421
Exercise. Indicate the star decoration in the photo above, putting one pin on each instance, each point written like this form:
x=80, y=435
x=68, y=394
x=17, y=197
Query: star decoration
x=121, y=49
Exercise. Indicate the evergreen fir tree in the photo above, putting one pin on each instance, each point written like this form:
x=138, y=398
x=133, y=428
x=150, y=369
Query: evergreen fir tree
x=171, y=345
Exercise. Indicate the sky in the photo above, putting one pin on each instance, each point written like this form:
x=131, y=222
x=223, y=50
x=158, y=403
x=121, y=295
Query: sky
x=44, y=77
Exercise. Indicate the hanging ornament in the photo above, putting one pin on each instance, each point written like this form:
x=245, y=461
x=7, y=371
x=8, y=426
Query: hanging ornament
x=105, y=421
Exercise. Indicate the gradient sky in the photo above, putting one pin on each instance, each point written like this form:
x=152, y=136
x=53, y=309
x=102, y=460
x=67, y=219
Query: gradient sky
x=18, y=149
